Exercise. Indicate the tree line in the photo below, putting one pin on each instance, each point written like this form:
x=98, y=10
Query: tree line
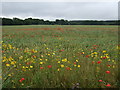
x=31, y=21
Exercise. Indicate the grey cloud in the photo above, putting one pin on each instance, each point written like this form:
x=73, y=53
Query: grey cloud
x=66, y=10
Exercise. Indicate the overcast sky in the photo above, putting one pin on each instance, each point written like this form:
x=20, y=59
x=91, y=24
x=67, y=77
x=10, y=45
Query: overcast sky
x=61, y=10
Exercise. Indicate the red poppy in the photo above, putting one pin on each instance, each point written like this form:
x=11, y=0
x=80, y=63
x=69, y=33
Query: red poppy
x=93, y=62
x=90, y=49
x=74, y=62
x=99, y=62
x=41, y=67
x=28, y=63
x=49, y=66
x=94, y=48
x=108, y=85
x=22, y=78
x=94, y=45
x=67, y=68
x=108, y=65
x=61, y=50
x=2, y=51
x=32, y=51
x=33, y=56
x=87, y=56
x=108, y=72
x=104, y=57
x=100, y=80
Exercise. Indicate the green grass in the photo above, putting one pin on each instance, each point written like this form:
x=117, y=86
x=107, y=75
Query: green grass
x=51, y=44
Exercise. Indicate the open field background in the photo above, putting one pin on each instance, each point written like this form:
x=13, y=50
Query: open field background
x=55, y=56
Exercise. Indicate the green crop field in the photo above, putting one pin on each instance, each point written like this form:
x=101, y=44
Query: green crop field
x=60, y=56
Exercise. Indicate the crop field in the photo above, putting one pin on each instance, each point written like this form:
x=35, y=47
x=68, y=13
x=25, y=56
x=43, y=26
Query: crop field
x=60, y=56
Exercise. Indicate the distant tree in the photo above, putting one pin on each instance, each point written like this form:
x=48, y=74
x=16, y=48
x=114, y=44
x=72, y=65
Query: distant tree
x=0, y=21
x=28, y=21
x=17, y=21
x=47, y=22
x=61, y=22
x=7, y=21
x=31, y=21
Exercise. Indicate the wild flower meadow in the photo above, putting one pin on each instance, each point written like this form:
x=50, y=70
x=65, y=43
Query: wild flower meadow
x=54, y=56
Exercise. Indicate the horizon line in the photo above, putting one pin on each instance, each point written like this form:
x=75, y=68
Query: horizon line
x=63, y=19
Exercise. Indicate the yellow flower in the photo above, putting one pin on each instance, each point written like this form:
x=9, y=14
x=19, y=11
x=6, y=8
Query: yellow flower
x=113, y=60
x=10, y=58
x=78, y=65
x=7, y=65
x=9, y=75
x=31, y=66
x=113, y=66
x=58, y=61
x=13, y=63
x=21, y=57
x=75, y=65
x=40, y=59
x=3, y=60
x=104, y=51
x=13, y=81
x=108, y=59
x=48, y=54
x=23, y=66
x=68, y=61
x=41, y=62
x=26, y=66
x=64, y=60
x=76, y=60
x=106, y=54
x=4, y=57
x=0, y=76
x=95, y=53
x=35, y=51
x=91, y=55
x=41, y=55
x=83, y=52
x=22, y=84
x=62, y=65
x=58, y=69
